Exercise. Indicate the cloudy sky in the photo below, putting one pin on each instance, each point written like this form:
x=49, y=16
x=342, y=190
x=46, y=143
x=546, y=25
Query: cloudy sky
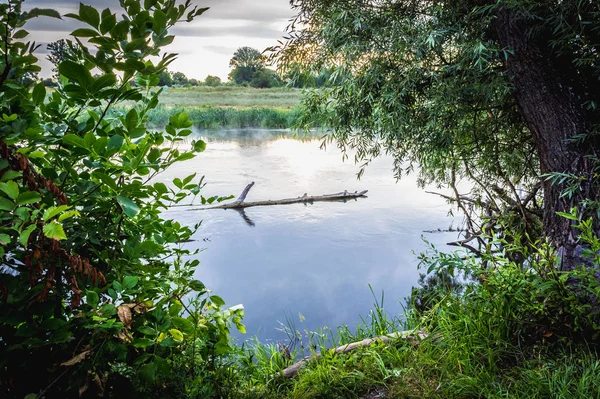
x=204, y=46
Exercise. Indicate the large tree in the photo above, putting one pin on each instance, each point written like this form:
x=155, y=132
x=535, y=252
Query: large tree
x=504, y=93
x=246, y=61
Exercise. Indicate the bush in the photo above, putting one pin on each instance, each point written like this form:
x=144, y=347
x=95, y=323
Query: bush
x=94, y=282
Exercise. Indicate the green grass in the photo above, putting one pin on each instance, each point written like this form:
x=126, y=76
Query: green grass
x=230, y=107
x=495, y=340
x=231, y=96
x=231, y=118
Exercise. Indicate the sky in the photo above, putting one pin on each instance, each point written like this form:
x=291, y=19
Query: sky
x=205, y=45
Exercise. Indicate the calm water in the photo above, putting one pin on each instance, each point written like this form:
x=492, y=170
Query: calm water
x=310, y=260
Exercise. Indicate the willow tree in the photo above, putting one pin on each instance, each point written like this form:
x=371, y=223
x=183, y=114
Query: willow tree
x=504, y=93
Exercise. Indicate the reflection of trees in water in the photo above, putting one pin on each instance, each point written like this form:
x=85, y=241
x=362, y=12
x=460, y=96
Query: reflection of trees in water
x=250, y=137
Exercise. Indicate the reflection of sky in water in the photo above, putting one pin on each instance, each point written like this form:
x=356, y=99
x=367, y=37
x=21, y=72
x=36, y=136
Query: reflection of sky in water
x=318, y=259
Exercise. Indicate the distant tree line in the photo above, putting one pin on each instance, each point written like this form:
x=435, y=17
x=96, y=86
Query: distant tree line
x=248, y=68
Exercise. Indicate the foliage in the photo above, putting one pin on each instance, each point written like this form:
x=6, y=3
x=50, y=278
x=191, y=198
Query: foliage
x=212, y=81
x=165, y=78
x=427, y=82
x=169, y=79
x=247, y=57
x=209, y=117
x=97, y=288
x=180, y=79
x=248, y=66
x=61, y=50
x=264, y=79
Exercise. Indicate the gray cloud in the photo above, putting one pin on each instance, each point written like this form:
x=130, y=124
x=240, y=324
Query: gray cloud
x=241, y=21
x=250, y=10
x=221, y=49
x=255, y=31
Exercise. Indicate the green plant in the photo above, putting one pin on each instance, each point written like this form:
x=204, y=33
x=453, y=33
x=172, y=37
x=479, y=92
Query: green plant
x=95, y=284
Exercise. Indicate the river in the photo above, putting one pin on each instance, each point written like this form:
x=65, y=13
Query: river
x=311, y=264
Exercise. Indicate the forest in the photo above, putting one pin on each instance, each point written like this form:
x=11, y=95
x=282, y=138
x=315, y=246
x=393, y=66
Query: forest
x=99, y=295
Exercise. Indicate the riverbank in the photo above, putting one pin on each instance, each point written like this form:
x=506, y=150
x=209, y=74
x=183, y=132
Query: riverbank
x=516, y=335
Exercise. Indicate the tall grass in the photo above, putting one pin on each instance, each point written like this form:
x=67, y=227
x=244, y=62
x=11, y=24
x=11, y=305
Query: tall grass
x=515, y=331
x=230, y=118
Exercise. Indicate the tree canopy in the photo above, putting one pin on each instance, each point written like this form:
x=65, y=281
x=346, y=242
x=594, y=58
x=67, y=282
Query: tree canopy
x=502, y=93
x=246, y=61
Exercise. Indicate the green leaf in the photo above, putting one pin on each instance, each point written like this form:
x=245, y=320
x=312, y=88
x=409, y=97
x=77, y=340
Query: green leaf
x=129, y=282
x=108, y=22
x=197, y=286
x=185, y=156
x=154, y=155
x=92, y=298
x=4, y=239
x=176, y=334
x=53, y=324
x=53, y=211
x=76, y=73
x=74, y=140
x=184, y=325
x=104, y=81
x=68, y=214
x=28, y=197
x=161, y=188
x=199, y=146
x=20, y=34
x=6, y=204
x=175, y=308
x=84, y=32
x=11, y=175
x=117, y=286
x=115, y=143
x=10, y=188
x=54, y=231
x=567, y=216
x=132, y=119
x=36, y=154
x=120, y=30
x=129, y=207
x=147, y=372
x=147, y=330
x=106, y=179
x=217, y=300
x=38, y=94
x=89, y=14
x=188, y=179
x=142, y=342
x=46, y=12
x=24, y=236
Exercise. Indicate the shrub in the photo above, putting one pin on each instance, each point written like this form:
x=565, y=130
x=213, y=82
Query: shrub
x=93, y=281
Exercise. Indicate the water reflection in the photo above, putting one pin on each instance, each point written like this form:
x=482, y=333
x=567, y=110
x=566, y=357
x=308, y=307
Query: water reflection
x=318, y=259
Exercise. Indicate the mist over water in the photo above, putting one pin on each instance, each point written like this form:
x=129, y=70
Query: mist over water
x=315, y=260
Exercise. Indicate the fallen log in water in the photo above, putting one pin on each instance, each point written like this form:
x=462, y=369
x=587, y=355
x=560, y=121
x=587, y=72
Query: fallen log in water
x=305, y=199
x=411, y=336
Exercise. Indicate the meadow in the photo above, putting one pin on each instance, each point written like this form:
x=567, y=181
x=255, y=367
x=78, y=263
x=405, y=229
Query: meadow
x=231, y=96
x=231, y=107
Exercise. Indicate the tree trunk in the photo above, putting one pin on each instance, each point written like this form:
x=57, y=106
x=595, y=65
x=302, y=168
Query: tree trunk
x=553, y=112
